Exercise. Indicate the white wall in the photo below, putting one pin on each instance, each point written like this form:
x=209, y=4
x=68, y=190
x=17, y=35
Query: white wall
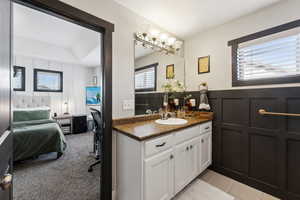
x=75, y=79
x=214, y=43
x=163, y=60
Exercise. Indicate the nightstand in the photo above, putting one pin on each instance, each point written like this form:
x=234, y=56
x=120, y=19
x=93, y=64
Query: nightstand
x=65, y=122
x=79, y=124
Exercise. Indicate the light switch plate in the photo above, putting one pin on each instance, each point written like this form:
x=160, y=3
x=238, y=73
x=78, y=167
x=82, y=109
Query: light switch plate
x=128, y=104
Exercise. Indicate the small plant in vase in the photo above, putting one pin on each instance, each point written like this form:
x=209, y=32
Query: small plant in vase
x=170, y=88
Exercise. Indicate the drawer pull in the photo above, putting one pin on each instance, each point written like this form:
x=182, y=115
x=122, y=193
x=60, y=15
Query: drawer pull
x=171, y=156
x=187, y=148
x=191, y=146
x=160, y=145
x=202, y=140
x=206, y=128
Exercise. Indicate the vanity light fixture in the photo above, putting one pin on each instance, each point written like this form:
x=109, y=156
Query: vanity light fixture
x=158, y=41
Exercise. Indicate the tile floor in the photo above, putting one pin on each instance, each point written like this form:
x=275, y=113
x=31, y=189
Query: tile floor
x=236, y=189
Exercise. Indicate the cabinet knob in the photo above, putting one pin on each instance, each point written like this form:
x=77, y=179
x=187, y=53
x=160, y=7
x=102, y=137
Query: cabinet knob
x=171, y=156
x=202, y=140
x=187, y=148
x=191, y=146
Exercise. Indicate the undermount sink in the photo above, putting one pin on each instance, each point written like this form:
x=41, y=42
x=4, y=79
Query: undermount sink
x=171, y=121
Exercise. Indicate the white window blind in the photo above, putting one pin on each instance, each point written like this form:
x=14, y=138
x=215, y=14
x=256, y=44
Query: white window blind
x=145, y=79
x=274, y=58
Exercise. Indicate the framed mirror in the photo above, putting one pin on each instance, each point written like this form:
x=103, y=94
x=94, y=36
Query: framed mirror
x=152, y=70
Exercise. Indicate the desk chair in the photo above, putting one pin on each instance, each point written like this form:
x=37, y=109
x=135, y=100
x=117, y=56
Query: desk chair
x=98, y=135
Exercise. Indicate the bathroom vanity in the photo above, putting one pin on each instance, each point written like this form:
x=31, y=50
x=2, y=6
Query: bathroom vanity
x=155, y=162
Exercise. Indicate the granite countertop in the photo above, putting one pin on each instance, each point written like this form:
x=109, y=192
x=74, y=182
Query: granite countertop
x=145, y=127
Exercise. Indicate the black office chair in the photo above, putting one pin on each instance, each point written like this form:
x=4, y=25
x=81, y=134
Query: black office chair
x=98, y=135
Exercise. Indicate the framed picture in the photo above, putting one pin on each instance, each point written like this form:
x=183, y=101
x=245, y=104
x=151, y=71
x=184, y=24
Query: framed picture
x=204, y=64
x=170, y=72
x=93, y=96
x=48, y=80
x=19, y=78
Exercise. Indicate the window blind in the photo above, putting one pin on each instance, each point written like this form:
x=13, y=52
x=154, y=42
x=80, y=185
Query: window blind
x=145, y=78
x=274, y=58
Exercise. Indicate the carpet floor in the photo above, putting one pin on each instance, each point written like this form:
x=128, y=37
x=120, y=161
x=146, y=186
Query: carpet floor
x=64, y=179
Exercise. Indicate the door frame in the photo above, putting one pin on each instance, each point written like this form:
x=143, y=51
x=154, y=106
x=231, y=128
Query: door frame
x=69, y=13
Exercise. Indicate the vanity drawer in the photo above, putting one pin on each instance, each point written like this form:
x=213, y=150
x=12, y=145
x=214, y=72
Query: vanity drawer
x=155, y=146
x=206, y=127
x=186, y=134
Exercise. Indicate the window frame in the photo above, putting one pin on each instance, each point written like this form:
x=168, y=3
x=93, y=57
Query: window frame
x=23, y=77
x=35, y=72
x=266, y=81
x=155, y=78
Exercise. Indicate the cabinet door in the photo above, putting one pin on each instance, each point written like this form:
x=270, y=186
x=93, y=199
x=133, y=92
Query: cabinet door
x=205, y=151
x=193, y=154
x=185, y=163
x=159, y=177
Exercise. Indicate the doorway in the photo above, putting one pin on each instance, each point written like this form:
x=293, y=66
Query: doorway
x=76, y=16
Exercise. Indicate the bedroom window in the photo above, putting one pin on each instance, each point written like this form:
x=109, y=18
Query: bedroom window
x=48, y=81
x=268, y=57
x=145, y=78
x=19, y=78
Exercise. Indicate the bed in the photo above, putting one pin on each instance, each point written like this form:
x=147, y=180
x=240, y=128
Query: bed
x=34, y=133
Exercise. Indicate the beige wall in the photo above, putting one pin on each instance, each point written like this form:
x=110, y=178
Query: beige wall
x=163, y=60
x=214, y=43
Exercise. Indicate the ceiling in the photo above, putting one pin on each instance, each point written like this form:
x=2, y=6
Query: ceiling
x=185, y=18
x=81, y=45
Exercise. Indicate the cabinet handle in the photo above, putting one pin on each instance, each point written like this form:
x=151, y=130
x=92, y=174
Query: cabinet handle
x=171, y=157
x=187, y=148
x=206, y=127
x=191, y=146
x=202, y=141
x=161, y=145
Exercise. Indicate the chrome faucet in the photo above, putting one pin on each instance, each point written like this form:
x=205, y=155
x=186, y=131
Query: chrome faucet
x=165, y=115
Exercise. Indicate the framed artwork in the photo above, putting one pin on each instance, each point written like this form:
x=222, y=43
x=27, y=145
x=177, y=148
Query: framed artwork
x=19, y=78
x=93, y=96
x=203, y=64
x=48, y=80
x=170, y=72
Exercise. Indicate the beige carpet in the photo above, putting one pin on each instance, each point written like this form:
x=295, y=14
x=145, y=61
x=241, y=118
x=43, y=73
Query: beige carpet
x=64, y=179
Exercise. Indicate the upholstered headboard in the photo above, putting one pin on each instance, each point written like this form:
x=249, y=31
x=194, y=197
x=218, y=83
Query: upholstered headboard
x=26, y=101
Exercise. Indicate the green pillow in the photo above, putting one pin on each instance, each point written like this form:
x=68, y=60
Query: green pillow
x=29, y=114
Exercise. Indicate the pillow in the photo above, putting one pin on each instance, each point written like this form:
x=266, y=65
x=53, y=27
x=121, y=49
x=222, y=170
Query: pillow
x=28, y=114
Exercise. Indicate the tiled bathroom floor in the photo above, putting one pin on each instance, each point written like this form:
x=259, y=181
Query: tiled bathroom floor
x=236, y=189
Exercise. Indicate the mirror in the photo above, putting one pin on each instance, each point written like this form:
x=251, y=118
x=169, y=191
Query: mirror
x=154, y=68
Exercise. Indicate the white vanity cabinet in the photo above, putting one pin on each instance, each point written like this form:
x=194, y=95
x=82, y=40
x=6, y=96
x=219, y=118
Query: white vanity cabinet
x=159, y=168
x=205, y=153
x=186, y=163
x=159, y=176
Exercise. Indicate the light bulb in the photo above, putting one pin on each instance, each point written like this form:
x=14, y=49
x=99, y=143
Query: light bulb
x=154, y=33
x=163, y=37
x=171, y=40
x=178, y=44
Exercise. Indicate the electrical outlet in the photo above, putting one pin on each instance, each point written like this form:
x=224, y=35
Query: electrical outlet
x=128, y=105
